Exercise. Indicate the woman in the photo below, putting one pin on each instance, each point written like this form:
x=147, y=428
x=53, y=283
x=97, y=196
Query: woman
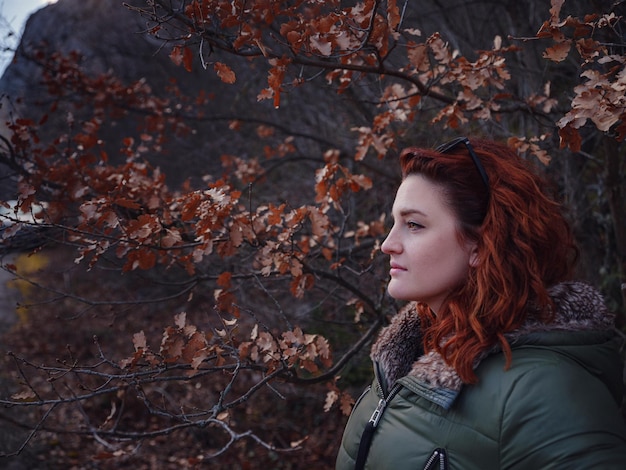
x=498, y=361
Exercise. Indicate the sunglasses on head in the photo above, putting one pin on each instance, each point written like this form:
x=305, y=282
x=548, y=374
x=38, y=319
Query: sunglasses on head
x=444, y=148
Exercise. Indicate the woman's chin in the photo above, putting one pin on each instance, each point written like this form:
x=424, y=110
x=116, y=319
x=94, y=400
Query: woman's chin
x=398, y=293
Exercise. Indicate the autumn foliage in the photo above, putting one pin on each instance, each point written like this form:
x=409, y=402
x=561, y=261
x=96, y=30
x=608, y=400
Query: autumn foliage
x=234, y=296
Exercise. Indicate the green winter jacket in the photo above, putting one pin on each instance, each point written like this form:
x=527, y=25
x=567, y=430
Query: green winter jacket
x=556, y=407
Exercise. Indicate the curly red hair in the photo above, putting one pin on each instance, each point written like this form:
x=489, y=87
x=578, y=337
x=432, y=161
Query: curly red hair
x=524, y=246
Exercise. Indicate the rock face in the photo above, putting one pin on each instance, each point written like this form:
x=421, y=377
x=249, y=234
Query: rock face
x=65, y=26
x=108, y=35
x=112, y=37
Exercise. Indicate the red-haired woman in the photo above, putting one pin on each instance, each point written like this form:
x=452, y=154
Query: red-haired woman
x=499, y=361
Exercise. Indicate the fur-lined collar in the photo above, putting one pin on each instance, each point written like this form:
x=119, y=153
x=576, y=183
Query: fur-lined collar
x=398, y=349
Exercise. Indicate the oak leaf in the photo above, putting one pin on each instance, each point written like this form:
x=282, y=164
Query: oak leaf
x=26, y=395
x=558, y=52
x=346, y=403
x=139, y=340
x=180, y=320
x=225, y=73
x=331, y=397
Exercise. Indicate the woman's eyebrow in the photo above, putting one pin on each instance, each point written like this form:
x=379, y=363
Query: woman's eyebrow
x=408, y=211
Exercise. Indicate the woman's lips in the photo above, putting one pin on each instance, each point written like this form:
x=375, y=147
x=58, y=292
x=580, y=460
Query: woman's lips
x=395, y=268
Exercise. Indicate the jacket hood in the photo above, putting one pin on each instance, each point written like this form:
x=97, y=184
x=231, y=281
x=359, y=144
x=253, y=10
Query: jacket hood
x=582, y=329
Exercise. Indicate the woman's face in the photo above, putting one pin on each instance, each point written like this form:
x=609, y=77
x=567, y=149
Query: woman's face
x=428, y=259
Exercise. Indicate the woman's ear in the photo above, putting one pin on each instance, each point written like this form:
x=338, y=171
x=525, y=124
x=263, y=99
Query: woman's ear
x=473, y=258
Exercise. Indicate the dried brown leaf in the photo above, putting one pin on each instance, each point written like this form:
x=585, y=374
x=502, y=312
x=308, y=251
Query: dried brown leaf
x=225, y=73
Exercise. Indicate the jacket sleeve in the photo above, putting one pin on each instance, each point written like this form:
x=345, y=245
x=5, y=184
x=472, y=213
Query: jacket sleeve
x=559, y=416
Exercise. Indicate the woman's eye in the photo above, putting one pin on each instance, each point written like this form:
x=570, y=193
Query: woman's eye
x=414, y=225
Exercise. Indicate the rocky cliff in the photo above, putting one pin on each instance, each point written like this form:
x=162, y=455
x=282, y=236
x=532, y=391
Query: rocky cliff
x=111, y=37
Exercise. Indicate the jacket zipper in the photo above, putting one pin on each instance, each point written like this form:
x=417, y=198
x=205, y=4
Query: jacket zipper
x=382, y=404
x=438, y=455
x=370, y=427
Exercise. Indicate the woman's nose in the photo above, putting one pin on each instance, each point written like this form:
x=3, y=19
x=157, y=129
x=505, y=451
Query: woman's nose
x=390, y=245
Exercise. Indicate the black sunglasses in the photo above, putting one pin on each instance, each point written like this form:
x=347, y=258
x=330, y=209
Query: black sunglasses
x=444, y=148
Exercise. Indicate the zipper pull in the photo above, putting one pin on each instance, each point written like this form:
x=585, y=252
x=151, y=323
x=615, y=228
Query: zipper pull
x=382, y=404
x=378, y=412
x=438, y=456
